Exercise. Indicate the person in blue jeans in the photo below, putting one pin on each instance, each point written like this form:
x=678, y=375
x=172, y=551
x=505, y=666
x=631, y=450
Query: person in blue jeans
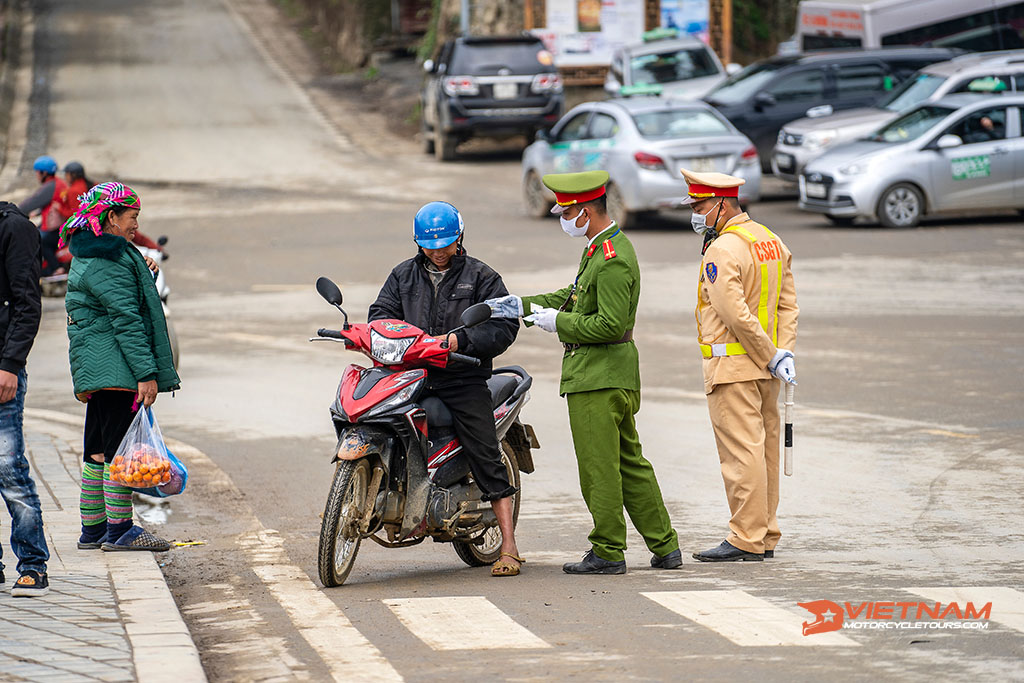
x=20, y=310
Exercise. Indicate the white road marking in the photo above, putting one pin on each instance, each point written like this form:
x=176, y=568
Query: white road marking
x=343, y=649
x=462, y=623
x=744, y=619
x=1007, y=603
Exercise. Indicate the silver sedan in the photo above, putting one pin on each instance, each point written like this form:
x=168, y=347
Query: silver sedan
x=642, y=143
x=960, y=153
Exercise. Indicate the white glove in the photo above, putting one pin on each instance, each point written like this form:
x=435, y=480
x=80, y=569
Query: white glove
x=544, y=318
x=510, y=306
x=782, y=366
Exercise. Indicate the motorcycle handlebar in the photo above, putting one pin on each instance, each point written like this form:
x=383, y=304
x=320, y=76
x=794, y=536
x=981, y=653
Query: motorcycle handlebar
x=329, y=334
x=462, y=358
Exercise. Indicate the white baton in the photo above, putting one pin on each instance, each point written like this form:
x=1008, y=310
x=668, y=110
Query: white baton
x=790, y=389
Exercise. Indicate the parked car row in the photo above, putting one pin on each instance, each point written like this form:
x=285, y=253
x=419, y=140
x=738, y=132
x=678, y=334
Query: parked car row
x=890, y=134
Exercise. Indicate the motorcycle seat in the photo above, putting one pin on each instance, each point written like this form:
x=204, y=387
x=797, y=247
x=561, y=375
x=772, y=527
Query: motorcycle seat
x=438, y=414
x=501, y=387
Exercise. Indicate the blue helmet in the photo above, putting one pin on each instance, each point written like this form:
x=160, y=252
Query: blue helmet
x=46, y=164
x=437, y=225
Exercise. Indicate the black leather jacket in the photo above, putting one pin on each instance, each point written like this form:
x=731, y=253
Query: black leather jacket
x=408, y=295
x=20, y=305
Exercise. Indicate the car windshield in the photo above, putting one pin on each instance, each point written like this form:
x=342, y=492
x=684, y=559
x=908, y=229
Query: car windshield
x=912, y=92
x=674, y=65
x=743, y=85
x=679, y=123
x=912, y=125
x=476, y=59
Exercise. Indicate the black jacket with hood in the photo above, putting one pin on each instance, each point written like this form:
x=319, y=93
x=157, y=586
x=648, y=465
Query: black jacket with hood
x=408, y=294
x=20, y=304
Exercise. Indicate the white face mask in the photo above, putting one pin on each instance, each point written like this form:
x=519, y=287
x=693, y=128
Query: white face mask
x=569, y=226
x=699, y=221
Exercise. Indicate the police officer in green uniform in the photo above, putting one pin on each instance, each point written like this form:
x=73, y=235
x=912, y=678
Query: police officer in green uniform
x=594, y=320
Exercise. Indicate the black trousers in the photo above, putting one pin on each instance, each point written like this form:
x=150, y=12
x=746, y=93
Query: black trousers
x=108, y=415
x=48, y=247
x=470, y=405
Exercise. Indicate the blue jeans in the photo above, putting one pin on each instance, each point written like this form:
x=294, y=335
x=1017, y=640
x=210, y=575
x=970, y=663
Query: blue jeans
x=18, y=489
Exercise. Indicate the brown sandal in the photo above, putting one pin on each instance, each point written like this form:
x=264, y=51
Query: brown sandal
x=503, y=568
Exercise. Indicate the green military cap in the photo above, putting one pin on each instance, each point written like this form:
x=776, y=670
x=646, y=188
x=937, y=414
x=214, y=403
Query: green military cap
x=575, y=188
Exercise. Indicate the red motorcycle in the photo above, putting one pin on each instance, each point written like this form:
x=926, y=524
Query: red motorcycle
x=401, y=476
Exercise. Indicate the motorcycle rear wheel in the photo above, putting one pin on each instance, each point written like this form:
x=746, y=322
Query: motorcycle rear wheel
x=339, y=530
x=489, y=551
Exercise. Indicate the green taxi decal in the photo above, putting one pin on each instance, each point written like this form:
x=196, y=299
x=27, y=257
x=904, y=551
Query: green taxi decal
x=969, y=168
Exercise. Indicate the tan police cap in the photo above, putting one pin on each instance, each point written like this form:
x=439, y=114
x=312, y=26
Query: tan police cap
x=705, y=185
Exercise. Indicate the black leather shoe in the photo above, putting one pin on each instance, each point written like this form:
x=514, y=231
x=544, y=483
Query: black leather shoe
x=727, y=552
x=769, y=554
x=592, y=564
x=673, y=560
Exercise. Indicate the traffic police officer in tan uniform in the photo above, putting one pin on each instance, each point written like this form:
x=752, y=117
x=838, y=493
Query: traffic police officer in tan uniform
x=594, y=319
x=746, y=328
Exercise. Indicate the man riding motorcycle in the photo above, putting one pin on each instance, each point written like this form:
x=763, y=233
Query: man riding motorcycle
x=431, y=291
x=47, y=200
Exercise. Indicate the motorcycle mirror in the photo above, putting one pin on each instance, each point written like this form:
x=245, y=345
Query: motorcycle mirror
x=162, y=241
x=476, y=314
x=329, y=291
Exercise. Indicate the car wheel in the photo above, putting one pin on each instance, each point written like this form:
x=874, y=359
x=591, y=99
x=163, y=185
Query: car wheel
x=617, y=208
x=901, y=206
x=535, y=196
x=444, y=145
x=840, y=221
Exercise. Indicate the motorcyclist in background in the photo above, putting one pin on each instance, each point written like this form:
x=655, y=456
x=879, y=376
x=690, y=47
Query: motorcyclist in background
x=48, y=201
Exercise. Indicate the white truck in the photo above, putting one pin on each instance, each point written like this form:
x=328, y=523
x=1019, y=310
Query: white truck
x=975, y=26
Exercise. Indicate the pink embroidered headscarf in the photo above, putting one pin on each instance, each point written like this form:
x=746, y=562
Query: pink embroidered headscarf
x=94, y=205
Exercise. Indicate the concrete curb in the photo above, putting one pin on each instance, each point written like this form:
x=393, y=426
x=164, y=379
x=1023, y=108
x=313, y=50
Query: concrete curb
x=162, y=647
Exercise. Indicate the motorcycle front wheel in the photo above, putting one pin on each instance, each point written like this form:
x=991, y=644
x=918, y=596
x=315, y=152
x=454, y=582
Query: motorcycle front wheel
x=339, y=530
x=489, y=551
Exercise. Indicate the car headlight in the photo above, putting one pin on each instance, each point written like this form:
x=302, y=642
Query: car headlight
x=853, y=169
x=402, y=396
x=820, y=138
x=388, y=351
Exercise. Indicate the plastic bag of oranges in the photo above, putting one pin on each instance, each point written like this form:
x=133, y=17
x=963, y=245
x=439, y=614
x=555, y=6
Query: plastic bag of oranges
x=142, y=460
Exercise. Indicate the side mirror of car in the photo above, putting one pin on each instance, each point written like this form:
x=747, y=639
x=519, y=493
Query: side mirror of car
x=543, y=134
x=476, y=314
x=428, y=66
x=329, y=291
x=733, y=68
x=818, y=112
x=948, y=141
x=764, y=99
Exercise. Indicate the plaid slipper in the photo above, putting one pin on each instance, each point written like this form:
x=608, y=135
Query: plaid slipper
x=137, y=538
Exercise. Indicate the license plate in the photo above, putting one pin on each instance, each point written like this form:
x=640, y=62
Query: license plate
x=816, y=190
x=784, y=161
x=506, y=91
x=702, y=164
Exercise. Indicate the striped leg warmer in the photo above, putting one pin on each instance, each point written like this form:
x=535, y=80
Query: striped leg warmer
x=118, y=501
x=90, y=504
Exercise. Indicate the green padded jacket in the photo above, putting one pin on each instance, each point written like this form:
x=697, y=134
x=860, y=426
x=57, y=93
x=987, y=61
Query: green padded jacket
x=116, y=323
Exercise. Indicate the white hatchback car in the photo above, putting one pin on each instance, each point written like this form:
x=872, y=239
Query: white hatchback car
x=959, y=153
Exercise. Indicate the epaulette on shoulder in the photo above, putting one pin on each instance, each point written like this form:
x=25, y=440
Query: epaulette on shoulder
x=609, y=249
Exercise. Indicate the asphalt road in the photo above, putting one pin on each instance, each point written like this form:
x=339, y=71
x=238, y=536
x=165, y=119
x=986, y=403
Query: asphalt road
x=908, y=464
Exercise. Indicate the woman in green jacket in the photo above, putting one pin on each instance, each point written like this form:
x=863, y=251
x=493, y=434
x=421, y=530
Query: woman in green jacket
x=120, y=354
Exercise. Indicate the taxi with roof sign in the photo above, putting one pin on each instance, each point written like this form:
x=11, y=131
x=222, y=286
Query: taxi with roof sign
x=960, y=153
x=642, y=142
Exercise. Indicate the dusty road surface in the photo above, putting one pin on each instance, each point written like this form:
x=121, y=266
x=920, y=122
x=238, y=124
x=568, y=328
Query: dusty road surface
x=909, y=462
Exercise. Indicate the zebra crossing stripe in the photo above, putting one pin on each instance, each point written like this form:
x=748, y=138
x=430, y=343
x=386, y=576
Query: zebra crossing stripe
x=1007, y=603
x=746, y=620
x=462, y=623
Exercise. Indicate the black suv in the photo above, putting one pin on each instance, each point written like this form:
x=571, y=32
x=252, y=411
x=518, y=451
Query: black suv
x=489, y=86
x=769, y=94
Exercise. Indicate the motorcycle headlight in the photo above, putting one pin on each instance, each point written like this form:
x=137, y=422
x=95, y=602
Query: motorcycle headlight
x=402, y=396
x=388, y=351
x=820, y=138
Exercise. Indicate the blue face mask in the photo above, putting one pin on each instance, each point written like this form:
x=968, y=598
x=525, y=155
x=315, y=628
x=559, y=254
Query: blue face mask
x=699, y=221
